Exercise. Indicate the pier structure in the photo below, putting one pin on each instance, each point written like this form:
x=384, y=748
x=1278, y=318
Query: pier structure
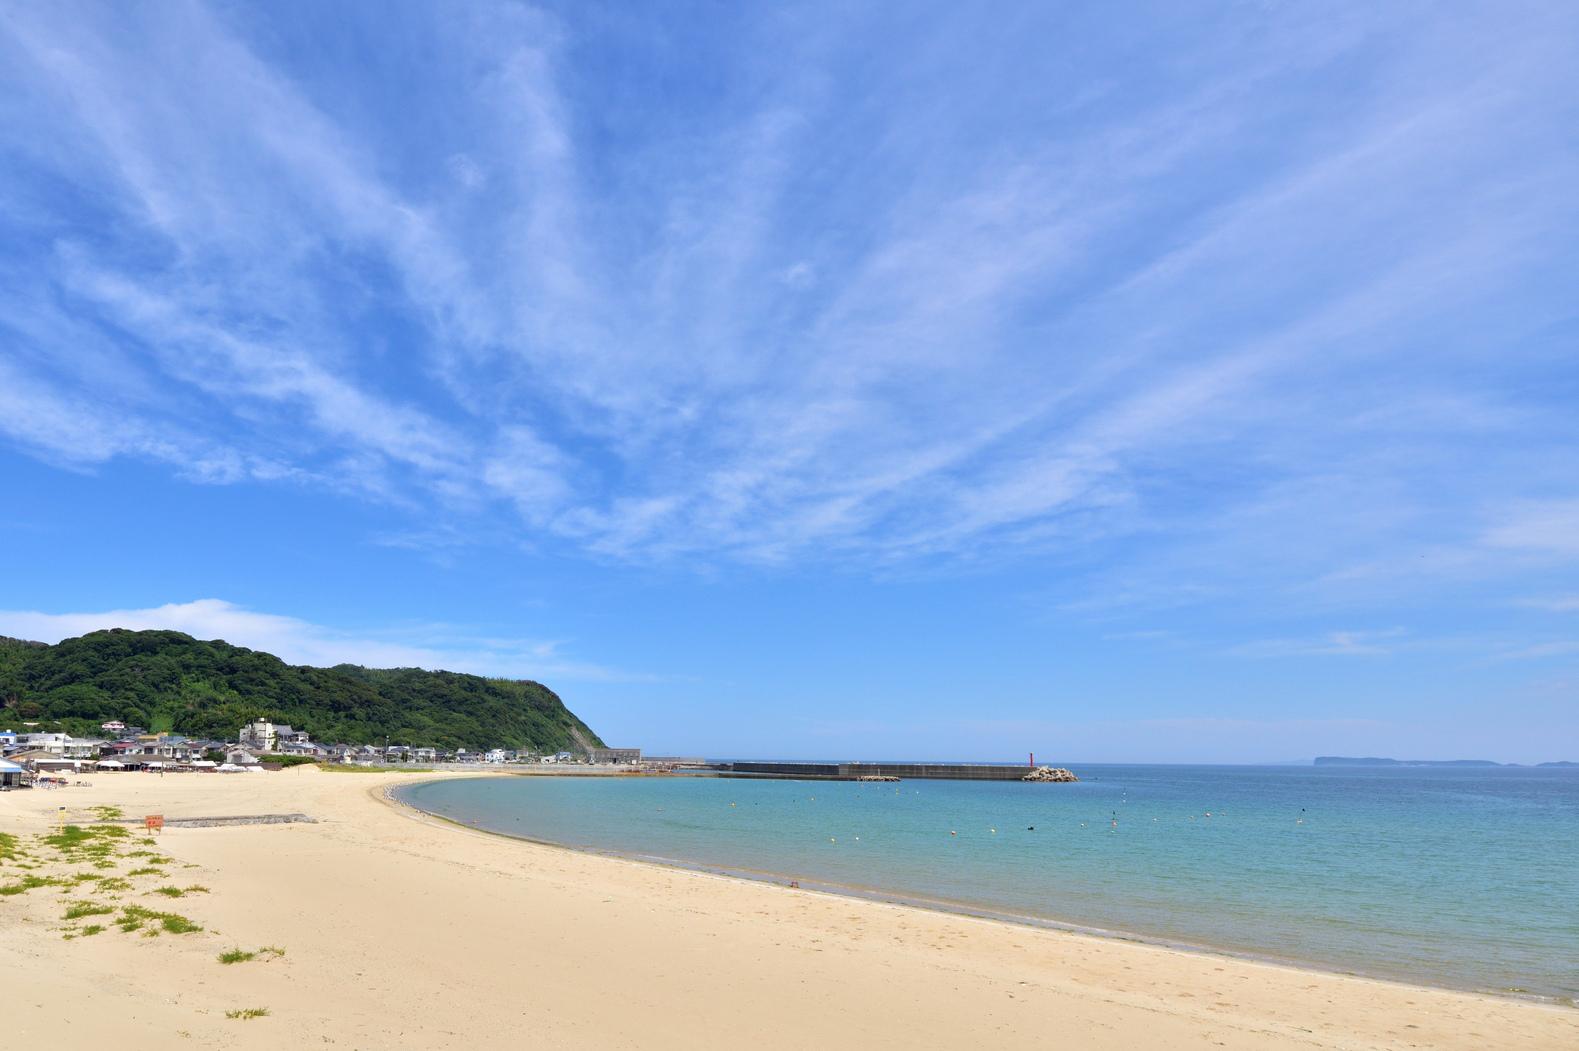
x=874, y=771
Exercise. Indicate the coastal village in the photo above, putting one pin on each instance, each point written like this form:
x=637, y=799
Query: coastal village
x=30, y=758
x=37, y=758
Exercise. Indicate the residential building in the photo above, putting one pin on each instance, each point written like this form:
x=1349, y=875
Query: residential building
x=259, y=735
x=160, y=748
x=300, y=748
x=52, y=743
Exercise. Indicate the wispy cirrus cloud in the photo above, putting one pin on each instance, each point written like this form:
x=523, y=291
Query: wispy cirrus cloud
x=828, y=315
x=1553, y=603
x=1375, y=643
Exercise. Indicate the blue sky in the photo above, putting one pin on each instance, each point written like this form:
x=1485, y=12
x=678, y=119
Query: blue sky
x=1123, y=383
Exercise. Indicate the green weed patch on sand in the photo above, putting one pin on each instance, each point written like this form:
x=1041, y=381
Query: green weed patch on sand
x=78, y=909
x=246, y=1014
x=243, y=956
x=30, y=882
x=181, y=892
x=150, y=922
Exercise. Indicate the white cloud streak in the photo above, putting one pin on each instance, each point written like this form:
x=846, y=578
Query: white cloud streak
x=833, y=321
x=297, y=641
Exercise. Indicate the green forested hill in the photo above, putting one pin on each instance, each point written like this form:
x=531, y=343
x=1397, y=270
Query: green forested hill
x=165, y=680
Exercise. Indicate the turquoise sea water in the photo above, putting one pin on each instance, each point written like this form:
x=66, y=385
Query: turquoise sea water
x=1457, y=877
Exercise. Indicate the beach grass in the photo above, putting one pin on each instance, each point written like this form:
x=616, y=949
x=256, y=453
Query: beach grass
x=248, y=1013
x=78, y=909
x=135, y=917
x=181, y=892
x=239, y=955
x=30, y=882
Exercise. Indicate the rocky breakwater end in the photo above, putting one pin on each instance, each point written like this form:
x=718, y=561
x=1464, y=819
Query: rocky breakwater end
x=1050, y=774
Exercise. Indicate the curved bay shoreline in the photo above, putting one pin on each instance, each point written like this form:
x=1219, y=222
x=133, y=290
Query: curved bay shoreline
x=402, y=929
x=388, y=794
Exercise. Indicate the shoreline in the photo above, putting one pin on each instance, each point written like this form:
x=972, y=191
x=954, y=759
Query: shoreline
x=400, y=931
x=948, y=907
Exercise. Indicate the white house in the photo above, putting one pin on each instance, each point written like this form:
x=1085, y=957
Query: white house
x=300, y=747
x=55, y=744
x=264, y=736
x=259, y=735
x=114, y=726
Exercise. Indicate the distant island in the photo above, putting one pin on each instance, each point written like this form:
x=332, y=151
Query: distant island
x=169, y=681
x=1346, y=760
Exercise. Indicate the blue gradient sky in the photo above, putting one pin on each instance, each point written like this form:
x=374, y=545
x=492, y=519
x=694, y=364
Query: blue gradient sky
x=1141, y=383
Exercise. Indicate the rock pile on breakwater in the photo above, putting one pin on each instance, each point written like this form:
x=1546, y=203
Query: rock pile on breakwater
x=1050, y=773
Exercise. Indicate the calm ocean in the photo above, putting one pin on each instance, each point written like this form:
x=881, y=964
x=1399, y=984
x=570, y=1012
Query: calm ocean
x=1456, y=877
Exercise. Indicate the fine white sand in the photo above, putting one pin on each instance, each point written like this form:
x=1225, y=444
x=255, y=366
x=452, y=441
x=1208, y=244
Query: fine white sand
x=404, y=931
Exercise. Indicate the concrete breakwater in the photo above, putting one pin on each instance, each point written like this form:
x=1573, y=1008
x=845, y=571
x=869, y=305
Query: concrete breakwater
x=858, y=771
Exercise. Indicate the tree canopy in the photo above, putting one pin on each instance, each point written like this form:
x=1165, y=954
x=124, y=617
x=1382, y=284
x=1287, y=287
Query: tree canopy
x=166, y=679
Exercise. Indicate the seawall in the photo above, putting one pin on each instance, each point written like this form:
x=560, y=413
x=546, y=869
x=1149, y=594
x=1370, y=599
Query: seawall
x=856, y=771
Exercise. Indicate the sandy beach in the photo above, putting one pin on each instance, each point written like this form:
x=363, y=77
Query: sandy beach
x=400, y=930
